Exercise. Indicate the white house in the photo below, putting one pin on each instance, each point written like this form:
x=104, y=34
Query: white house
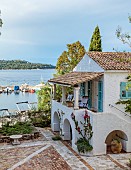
x=102, y=76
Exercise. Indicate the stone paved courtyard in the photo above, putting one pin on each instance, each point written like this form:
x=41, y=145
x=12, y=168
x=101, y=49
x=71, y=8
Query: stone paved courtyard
x=47, y=154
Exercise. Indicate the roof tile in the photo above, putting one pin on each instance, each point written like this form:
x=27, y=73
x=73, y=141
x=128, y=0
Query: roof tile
x=112, y=60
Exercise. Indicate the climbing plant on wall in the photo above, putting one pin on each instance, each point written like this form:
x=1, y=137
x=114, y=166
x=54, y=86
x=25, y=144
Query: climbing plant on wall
x=83, y=143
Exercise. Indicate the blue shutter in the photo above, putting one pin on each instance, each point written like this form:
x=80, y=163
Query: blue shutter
x=100, y=96
x=89, y=94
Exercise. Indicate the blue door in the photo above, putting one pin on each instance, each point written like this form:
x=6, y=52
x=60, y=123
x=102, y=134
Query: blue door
x=89, y=94
x=100, y=96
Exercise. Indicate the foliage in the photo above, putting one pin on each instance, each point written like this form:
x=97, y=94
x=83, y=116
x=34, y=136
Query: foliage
x=70, y=58
x=124, y=37
x=18, y=128
x=83, y=144
x=40, y=119
x=130, y=162
x=21, y=64
x=127, y=103
x=57, y=137
x=67, y=61
x=95, y=44
x=44, y=99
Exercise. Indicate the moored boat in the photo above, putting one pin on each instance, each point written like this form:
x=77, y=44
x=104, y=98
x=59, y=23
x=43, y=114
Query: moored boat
x=16, y=89
x=1, y=90
x=32, y=90
x=7, y=90
x=24, y=87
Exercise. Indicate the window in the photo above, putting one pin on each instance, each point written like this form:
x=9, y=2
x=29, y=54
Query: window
x=125, y=90
x=82, y=89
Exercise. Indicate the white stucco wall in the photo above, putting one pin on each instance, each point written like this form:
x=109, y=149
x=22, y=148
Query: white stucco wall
x=68, y=111
x=102, y=123
x=79, y=114
x=111, y=87
x=87, y=65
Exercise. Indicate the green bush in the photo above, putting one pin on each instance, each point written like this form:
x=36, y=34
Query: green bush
x=83, y=145
x=56, y=137
x=130, y=162
x=41, y=120
x=18, y=128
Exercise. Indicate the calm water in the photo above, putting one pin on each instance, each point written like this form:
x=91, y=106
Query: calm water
x=18, y=77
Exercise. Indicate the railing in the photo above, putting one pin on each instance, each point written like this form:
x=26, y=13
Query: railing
x=119, y=110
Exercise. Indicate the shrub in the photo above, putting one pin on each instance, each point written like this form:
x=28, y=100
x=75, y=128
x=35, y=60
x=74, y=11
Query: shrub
x=56, y=137
x=83, y=145
x=18, y=128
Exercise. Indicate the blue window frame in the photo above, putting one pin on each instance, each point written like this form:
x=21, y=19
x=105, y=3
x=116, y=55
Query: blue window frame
x=125, y=90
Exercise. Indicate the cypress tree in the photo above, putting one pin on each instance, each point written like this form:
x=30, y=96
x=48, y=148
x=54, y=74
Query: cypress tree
x=95, y=44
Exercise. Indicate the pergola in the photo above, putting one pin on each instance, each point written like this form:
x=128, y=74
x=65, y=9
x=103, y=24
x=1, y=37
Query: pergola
x=73, y=79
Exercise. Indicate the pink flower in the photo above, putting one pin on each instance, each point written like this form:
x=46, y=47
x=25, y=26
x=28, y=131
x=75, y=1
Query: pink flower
x=86, y=116
x=78, y=129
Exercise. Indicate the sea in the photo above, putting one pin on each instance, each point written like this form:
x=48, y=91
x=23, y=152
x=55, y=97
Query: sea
x=17, y=78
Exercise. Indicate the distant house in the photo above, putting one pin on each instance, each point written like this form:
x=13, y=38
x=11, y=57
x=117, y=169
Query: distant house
x=102, y=78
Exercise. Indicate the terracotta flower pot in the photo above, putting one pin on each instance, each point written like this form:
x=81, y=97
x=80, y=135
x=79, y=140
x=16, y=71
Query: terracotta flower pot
x=116, y=146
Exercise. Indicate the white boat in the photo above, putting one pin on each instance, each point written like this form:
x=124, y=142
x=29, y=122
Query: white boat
x=24, y=87
x=1, y=90
x=7, y=90
x=25, y=90
x=38, y=86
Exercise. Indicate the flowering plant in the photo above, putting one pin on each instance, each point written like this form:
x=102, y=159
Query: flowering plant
x=83, y=144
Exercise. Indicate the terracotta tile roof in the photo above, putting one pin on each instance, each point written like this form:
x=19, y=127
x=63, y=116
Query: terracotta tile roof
x=74, y=78
x=112, y=60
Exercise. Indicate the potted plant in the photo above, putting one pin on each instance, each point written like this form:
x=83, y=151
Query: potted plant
x=116, y=146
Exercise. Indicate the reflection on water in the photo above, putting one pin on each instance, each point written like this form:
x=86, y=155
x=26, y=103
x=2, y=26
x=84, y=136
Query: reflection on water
x=9, y=101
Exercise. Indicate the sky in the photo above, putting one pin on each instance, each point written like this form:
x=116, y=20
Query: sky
x=39, y=30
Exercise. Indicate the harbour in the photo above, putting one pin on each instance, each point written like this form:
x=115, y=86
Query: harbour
x=29, y=78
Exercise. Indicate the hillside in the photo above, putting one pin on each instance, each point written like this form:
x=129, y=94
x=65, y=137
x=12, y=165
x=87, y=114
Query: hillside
x=21, y=64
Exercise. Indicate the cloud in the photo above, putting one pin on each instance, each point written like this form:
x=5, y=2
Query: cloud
x=44, y=27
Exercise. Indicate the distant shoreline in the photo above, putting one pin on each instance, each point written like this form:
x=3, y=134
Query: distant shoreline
x=32, y=69
x=22, y=64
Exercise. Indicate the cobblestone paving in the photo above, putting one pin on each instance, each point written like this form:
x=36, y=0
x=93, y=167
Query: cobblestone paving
x=49, y=159
x=8, y=157
x=123, y=159
x=101, y=163
x=55, y=155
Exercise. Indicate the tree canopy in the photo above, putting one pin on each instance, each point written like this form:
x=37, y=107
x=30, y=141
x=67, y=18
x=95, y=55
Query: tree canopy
x=21, y=64
x=124, y=37
x=70, y=58
x=95, y=44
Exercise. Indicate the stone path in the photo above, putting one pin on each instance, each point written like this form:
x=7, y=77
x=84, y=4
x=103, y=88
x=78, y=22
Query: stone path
x=47, y=154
